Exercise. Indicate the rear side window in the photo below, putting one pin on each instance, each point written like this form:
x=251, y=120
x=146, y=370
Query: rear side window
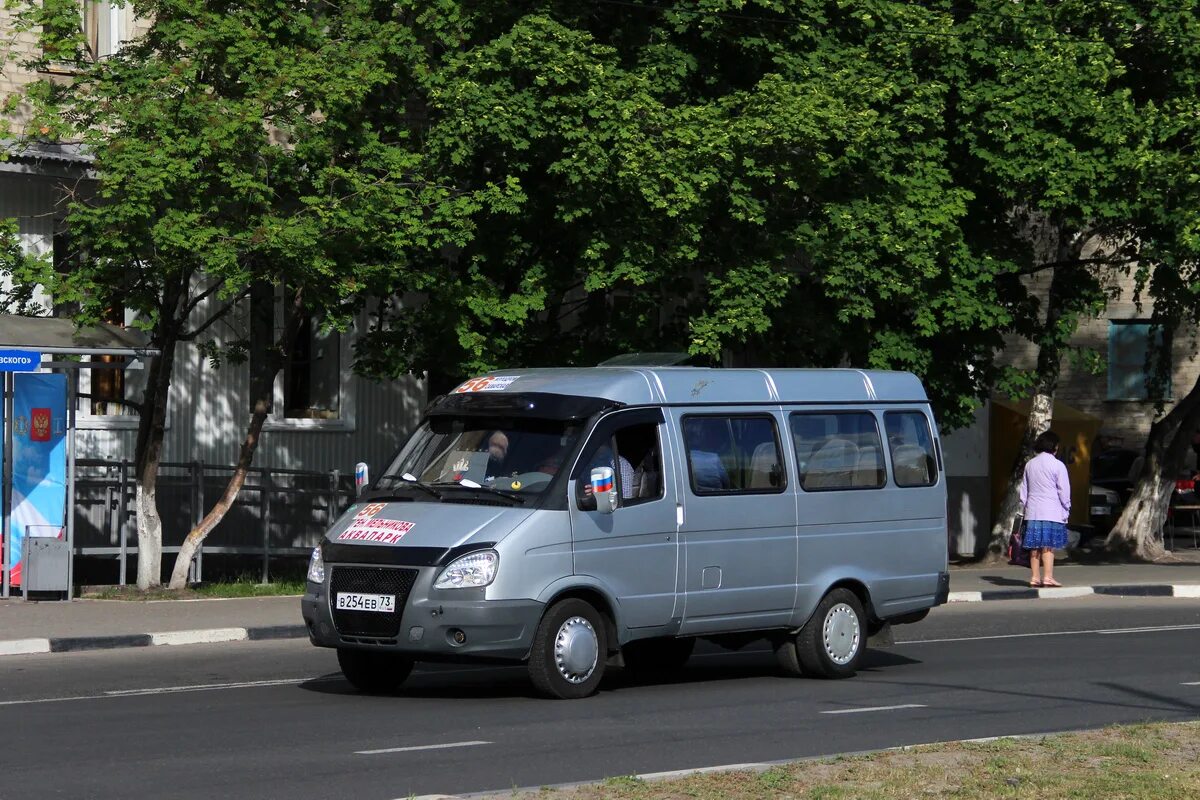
x=733, y=455
x=911, y=445
x=838, y=450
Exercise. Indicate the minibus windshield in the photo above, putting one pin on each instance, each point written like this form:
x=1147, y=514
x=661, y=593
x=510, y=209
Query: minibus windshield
x=513, y=455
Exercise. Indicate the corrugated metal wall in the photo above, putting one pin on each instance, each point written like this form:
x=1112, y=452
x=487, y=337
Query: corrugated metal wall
x=209, y=406
x=209, y=411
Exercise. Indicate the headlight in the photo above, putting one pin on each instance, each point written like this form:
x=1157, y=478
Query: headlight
x=316, y=566
x=470, y=571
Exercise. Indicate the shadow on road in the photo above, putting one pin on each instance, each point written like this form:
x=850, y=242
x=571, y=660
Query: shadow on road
x=455, y=681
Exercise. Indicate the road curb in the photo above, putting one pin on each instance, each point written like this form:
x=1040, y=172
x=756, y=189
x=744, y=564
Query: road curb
x=1060, y=592
x=67, y=644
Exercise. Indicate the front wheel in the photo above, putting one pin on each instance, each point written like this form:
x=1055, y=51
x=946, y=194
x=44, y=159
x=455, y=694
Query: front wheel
x=832, y=642
x=569, y=650
x=374, y=672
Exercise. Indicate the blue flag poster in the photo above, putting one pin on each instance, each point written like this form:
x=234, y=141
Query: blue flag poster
x=39, y=453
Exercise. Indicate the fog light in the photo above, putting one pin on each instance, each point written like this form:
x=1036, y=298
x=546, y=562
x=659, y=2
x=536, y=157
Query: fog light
x=457, y=636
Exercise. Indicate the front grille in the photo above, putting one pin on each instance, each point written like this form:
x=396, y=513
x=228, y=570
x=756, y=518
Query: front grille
x=370, y=580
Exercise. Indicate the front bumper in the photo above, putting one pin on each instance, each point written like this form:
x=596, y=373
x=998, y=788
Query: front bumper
x=435, y=625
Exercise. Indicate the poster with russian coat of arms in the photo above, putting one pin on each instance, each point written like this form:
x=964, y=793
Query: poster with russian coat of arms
x=39, y=456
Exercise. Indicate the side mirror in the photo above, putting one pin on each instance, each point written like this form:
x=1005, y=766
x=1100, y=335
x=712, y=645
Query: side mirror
x=604, y=489
x=361, y=477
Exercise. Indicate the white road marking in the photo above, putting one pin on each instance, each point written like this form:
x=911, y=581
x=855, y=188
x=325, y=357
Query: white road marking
x=1106, y=631
x=1191, y=683
x=874, y=708
x=1151, y=629
x=201, y=687
x=418, y=747
x=1185, y=590
x=204, y=687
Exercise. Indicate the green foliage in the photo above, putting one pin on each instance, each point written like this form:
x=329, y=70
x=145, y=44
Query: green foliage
x=20, y=273
x=878, y=184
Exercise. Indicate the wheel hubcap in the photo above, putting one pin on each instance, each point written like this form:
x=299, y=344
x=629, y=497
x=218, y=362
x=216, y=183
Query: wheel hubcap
x=576, y=650
x=841, y=634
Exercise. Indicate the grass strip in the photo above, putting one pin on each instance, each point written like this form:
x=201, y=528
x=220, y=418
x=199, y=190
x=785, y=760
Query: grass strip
x=242, y=587
x=1133, y=762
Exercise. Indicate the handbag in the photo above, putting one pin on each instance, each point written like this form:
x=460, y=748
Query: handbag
x=1018, y=556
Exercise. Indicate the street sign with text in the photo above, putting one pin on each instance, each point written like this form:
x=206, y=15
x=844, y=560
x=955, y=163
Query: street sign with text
x=19, y=360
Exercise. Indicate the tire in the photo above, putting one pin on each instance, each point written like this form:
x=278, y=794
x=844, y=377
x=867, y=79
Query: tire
x=831, y=644
x=570, y=648
x=374, y=672
x=657, y=656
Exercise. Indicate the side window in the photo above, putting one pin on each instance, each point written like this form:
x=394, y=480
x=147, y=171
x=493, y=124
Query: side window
x=838, y=450
x=728, y=454
x=633, y=453
x=911, y=445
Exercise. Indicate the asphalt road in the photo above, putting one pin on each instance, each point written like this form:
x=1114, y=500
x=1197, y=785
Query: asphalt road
x=274, y=719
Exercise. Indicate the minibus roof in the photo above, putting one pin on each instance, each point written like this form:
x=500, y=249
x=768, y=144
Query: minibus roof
x=698, y=385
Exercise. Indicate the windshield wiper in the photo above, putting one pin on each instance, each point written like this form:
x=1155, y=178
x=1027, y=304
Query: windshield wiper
x=481, y=488
x=411, y=481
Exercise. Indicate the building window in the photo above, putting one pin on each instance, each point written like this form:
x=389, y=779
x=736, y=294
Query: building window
x=1129, y=351
x=312, y=373
x=103, y=27
x=310, y=385
x=103, y=390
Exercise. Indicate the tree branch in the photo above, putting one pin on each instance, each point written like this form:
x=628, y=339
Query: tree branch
x=1077, y=262
x=189, y=336
x=200, y=298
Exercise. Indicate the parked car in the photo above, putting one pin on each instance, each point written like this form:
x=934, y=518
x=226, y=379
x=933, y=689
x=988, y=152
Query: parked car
x=1114, y=469
x=1104, y=506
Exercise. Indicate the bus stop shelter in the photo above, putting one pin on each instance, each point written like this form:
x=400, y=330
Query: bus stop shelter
x=40, y=359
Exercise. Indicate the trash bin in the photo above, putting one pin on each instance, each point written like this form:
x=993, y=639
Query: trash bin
x=46, y=562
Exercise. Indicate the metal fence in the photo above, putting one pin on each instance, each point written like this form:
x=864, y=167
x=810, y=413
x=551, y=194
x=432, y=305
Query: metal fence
x=279, y=512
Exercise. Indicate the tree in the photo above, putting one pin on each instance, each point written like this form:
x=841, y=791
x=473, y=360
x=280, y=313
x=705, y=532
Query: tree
x=700, y=180
x=20, y=274
x=233, y=145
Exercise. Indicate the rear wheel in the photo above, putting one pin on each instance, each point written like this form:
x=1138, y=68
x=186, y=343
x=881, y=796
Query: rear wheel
x=657, y=656
x=374, y=672
x=569, y=649
x=832, y=642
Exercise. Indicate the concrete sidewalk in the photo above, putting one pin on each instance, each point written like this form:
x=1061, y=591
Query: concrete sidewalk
x=52, y=627
x=45, y=627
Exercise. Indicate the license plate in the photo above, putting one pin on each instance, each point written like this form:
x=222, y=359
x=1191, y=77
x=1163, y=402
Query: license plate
x=353, y=601
x=1100, y=511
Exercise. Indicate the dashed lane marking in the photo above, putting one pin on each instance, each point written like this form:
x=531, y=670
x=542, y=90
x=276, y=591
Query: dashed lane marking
x=874, y=708
x=417, y=747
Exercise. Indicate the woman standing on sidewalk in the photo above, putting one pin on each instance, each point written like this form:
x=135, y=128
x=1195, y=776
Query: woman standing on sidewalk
x=1046, y=497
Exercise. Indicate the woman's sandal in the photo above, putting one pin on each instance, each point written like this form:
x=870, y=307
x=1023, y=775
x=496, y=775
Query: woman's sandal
x=1051, y=583
x=1036, y=584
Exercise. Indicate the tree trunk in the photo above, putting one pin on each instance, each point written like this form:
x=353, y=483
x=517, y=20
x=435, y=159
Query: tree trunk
x=1052, y=342
x=1041, y=414
x=1135, y=533
x=262, y=391
x=147, y=454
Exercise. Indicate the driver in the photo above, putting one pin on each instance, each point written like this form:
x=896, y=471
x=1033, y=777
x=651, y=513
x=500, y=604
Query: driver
x=497, y=449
